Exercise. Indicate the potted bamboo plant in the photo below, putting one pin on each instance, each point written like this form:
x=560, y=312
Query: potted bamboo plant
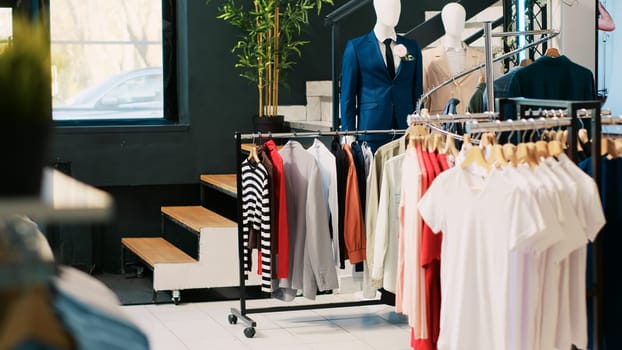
x=25, y=108
x=268, y=46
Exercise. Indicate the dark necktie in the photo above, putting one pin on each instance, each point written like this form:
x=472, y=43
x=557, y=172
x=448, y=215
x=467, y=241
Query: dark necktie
x=388, y=53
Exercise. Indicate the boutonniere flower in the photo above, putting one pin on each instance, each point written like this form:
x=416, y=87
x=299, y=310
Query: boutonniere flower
x=402, y=52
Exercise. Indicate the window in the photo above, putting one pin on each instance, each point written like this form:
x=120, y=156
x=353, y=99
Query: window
x=6, y=25
x=107, y=60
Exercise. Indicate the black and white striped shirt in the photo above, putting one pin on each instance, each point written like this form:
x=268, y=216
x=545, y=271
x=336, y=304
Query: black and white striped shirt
x=256, y=218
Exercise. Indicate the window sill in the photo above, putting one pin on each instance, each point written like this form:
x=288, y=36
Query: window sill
x=137, y=126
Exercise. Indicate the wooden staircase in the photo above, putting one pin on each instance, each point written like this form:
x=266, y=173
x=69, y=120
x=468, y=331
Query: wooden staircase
x=216, y=264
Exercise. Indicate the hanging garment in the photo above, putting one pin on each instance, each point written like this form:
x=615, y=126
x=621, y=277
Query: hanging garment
x=354, y=229
x=410, y=284
x=370, y=99
x=476, y=102
x=431, y=263
x=611, y=172
x=280, y=229
x=256, y=216
x=436, y=71
x=359, y=165
x=384, y=273
x=327, y=163
x=311, y=254
x=342, y=178
x=475, y=260
x=256, y=244
x=555, y=78
x=382, y=155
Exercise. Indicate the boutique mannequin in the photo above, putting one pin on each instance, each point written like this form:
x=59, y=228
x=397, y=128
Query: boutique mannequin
x=448, y=59
x=454, y=17
x=373, y=95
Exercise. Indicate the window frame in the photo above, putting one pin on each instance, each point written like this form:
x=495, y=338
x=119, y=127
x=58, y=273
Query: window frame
x=170, y=110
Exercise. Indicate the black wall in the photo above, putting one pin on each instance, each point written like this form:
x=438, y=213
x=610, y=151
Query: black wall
x=157, y=164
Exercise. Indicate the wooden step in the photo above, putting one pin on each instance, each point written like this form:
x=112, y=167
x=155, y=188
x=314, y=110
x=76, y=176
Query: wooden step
x=155, y=250
x=196, y=217
x=225, y=183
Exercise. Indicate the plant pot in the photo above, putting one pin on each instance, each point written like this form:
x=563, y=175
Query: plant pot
x=23, y=150
x=270, y=124
x=267, y=124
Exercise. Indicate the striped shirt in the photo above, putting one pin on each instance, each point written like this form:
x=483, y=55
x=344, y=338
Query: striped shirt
x=256, y=218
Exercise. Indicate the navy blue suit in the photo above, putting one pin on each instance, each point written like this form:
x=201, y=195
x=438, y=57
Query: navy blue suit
x=367, y=90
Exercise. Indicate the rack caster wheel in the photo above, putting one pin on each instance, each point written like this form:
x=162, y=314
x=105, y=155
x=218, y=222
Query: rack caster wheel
x=249, y=332
x=233, y=319
x=176, y=297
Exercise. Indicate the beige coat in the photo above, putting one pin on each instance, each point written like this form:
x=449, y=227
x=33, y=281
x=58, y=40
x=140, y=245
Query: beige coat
x=436, y=70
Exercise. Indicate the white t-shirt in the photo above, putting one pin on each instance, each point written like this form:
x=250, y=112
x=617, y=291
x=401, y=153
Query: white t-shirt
x=589, y=207
x=482, y=220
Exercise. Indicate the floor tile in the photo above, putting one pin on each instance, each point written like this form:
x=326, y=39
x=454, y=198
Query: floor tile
x=322, y=333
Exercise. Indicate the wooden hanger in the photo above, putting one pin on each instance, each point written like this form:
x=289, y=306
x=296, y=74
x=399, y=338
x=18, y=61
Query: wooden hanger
x=253, y=156
x=509, y=153
x=497, y=158
x=466, y=141
x=450, y=146
x=475, y=155
x=542, y=149
x=555, y=148
x=525, y=62
x=524, y=155
x=552, y=52
x=618, y=144
x=582, y=139
x=608, y=148
x=434, y=145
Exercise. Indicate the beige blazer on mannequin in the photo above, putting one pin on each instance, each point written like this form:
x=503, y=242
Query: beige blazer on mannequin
x=436, y=70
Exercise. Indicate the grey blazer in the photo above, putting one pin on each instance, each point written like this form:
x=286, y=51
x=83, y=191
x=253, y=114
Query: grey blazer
x=311, y=260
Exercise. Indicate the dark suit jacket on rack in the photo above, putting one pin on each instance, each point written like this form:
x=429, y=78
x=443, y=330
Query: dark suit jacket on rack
x=367, y=90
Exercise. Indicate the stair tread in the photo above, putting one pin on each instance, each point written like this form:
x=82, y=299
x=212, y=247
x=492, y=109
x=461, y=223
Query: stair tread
x=196, y=217
x=155, y=250
x=226, y=183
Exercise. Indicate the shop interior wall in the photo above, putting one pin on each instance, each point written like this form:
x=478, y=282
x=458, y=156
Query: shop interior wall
x=145, y=167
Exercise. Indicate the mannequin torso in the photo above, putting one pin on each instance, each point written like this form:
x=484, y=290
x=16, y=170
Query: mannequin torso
x=374, y=94
x=454, y=17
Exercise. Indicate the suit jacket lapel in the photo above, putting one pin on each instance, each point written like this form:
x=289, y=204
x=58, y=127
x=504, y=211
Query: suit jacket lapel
x=376, y=54
x=400, y=41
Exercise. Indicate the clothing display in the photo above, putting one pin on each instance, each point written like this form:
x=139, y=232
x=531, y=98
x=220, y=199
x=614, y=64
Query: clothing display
x=311, y=253
x=370, y=98
x=516, y=288
x=280, y=229
x=611, y=170
x=256, y=220
x=436, y=70
x=554, y=78
x=327, y=161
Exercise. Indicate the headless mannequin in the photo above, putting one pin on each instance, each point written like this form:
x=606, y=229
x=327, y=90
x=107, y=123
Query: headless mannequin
x=387, y=16
x=454, y=17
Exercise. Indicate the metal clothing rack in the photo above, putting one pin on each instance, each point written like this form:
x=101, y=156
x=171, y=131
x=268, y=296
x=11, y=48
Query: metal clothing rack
x=243, y=311
x=577, y=110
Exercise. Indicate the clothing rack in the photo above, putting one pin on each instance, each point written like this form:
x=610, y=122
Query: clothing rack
x=243, y=311
x=575, y=111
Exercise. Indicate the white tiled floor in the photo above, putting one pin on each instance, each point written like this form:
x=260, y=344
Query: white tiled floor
x=205, y=326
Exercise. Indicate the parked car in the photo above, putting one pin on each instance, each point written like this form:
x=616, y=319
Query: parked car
x=132, y=94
